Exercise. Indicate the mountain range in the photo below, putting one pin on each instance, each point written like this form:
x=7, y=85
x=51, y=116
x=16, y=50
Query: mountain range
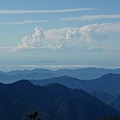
x=53, y=102
x=39, y=74
x=109, y=83
x=105, y=88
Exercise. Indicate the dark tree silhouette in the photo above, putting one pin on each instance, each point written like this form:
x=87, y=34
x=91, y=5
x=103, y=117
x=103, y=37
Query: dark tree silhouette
x=33, y=116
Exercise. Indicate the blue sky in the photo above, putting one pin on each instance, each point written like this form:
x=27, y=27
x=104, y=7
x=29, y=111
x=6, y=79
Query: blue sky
x=59, y=34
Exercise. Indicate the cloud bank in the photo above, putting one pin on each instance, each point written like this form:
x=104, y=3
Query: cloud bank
x=92, y=38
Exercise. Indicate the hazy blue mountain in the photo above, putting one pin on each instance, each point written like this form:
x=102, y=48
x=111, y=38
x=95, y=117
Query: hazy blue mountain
x=16, y=75
x=85, y=73
x=109, y=83
x=7, y=78
x=52, y=102
x=105, y=88
x=15, y=72
x=37, y=74
x=64, y=80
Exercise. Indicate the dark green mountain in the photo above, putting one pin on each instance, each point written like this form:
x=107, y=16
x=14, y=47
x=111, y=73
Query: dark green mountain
x=52, y=102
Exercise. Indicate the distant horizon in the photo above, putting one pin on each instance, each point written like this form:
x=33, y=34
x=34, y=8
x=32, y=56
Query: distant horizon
x=55, y=67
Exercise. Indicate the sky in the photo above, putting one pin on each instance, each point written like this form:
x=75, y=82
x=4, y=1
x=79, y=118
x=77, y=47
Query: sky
x=56, y=34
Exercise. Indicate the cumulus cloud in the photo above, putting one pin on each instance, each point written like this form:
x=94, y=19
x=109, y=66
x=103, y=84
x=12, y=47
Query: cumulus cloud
x=37, y=37
x=35, y=41
x=64, y=37
x=99, y=32
x=94, y=37
x=55, y=36
x=100, y=38
x=41, y=40
x=26, y=42
x=71, y=35
x=90, y=34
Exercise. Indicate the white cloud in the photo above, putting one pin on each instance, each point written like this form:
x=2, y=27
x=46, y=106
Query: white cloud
x=26, y=42
x=99, y=32
x=71, y=34
x=83, y=36
x=39, y=40
x=37, y=37
x=53, y=47
x=35, y=41
x=94, y=37
x=24, y=22
x=55, y=36
x=102, y=37
x=109, y=27
x=43, y=11
x=98, y=49
x=90, y=34
x=66, y=37
x=92, y=17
